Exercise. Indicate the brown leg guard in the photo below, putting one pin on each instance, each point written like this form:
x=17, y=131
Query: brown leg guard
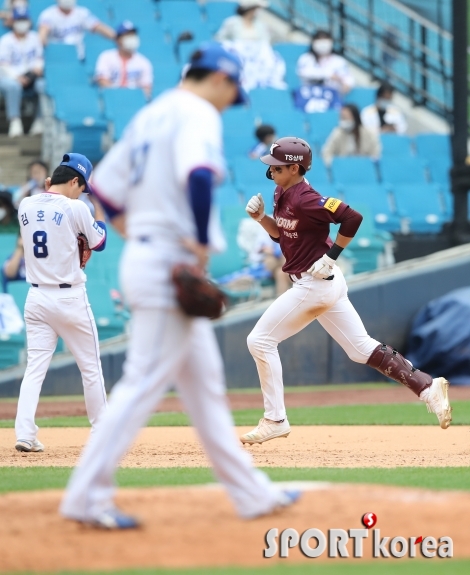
x=392, y=364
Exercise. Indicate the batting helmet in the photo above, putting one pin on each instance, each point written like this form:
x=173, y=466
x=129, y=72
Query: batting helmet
x=289, y=150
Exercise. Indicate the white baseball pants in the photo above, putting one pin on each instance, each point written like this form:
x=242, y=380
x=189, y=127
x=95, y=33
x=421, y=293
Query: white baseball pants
x=309, y=299
x=50, y=313
x=167, y=347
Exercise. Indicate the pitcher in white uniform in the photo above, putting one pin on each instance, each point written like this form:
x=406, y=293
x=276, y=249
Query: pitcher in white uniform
x=156, y=185
x=57, y=303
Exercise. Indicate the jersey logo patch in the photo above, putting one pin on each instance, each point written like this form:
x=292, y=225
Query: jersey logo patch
x=322, y=201
x=332, y=204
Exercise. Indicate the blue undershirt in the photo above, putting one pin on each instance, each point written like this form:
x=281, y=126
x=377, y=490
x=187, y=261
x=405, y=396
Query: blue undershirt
x=200, y=197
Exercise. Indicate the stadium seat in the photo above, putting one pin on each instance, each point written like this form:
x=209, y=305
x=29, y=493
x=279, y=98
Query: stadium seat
x=233, y=259
x=402, y=171
x=180, y=15
x=238, y=144
x=377, y=198
x=94, y=45
x=167, y=76
x=291, y=53
x=247, y=171
x=217, y=12
x=318, y=174
x=433, y=146
x=354, y=170
x=7, y=246
x=19, y=290
x=139, y=12
x=264, y=187
x=439, y=169
x=78, y=105
x=108, y=322
x=291, y=123
x=269, y=100
x=238, y=120
x=62, y=54
x=361, y=97
x=99, y=8
x=89, y=139
x=36, y=7
x=422, y=207
x=321, y=126
x=396, y=146
x=227, y=196
x=11, y=349
x=120, y=105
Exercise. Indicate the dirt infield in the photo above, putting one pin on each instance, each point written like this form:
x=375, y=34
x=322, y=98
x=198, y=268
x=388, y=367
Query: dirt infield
x=307, y=446
x=392, y=394
x=194, y=527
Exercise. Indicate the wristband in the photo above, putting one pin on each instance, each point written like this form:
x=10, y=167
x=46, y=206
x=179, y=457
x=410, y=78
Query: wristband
x=334, y=251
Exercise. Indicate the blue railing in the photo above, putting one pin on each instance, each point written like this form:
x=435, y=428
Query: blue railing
x=386, y=39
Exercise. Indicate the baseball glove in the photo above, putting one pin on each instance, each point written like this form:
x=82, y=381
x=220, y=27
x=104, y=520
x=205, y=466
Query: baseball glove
x=196, y=295
x=84, y=251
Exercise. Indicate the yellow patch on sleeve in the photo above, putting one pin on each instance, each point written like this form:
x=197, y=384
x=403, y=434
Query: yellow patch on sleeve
x=332, y=204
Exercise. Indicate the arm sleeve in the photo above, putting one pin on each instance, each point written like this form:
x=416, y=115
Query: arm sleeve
x=350, y=221
x=95, y=232
x=147, y=76
x=90, y=20
x=200, y=195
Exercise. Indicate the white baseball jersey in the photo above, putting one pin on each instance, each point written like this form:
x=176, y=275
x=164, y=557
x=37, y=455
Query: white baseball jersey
x=20, y=55
x=146, y=175
x=134, y=72
x=68, y=28
x=50, y=224
x=309, y=69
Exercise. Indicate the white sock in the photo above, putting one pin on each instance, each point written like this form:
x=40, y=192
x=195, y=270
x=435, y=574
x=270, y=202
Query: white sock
x=423, y=396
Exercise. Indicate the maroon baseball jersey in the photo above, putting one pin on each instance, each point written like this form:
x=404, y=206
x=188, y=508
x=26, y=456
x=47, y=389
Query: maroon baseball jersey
x=303, y=218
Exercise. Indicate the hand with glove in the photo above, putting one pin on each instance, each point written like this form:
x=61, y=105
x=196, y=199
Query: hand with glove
x=255, y=208
x=322, y=268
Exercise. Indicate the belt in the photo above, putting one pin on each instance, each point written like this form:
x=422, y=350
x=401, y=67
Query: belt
x=62, y=286
x=299, y=276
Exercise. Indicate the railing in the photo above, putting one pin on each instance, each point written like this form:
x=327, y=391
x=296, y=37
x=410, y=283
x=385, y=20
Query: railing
x=386, y=39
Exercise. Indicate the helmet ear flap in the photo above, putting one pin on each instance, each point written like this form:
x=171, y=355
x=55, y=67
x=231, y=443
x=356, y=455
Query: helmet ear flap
x=268, y=174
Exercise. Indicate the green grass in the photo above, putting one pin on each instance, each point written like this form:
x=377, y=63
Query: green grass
x=401, y=567
x=35, y=478
x=380, y=414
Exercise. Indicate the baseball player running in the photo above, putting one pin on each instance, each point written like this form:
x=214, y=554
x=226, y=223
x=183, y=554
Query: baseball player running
x=57, y=303
x=156, y=185
x=301, y=224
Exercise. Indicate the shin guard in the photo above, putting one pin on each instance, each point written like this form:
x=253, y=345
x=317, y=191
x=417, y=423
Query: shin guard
x=392, y=364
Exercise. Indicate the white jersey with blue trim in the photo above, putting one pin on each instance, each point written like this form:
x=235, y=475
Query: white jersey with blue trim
x=50, y=224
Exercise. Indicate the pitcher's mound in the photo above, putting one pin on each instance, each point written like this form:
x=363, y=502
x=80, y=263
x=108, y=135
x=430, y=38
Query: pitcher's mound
x=197, y=526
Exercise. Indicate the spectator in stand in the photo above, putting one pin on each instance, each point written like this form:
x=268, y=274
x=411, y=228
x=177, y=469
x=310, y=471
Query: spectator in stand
x=383, y=117
x=67, y=23
x=6, y=14
x=124, y=67
x=8, y=215
x=266, y=135
x=13, y=268
x=321, y=66
x=21, y=68
x=350, y=138
x=246, y=24
x=37, y=174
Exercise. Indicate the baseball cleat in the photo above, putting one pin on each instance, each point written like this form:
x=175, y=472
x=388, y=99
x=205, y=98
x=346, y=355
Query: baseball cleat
x=29, y=445
x=266, y=430
x=437, y=401
x=113, y=519
x=285, y=498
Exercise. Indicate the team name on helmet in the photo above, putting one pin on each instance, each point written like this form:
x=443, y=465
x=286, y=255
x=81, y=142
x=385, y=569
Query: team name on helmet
x=290, y=158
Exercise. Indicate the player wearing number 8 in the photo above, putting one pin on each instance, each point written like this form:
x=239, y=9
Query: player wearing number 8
x=57, y=303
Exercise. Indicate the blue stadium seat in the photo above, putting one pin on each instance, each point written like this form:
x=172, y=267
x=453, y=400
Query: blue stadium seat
x=396, y=146
x=94, y=45
x=248, y=172
x=62, y=54
x=377, y=198
x=402, y=170
x=100, y=8
x=439, y=170
x=291, y=53
x=318, y=174
x=422, y=207
x=269, y=100
x=238, y=144
x=89, y=140
x=291, y=122
x=19, y=290
x=166, y=76
x=433, y=146
x=238, y=120
x=233, y=258
x=139, y=12
x=264, y=187
x=227, y=195
x=78, y=105
x=217, y=12
x=362, y=97
x=354, y=170
x=36, y=7
x=321, y=126
x=180, y=15
x=120, y=105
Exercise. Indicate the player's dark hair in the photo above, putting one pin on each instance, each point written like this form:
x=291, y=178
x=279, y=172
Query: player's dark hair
x=357, y=121
x=264, y=131
x=195, y=73
x=385, y=88
x=63, y=174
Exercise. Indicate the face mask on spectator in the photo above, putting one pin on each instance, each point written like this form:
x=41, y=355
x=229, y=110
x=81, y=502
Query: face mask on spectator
x=322, y=47
x=21, y=26
x=346, y=125
x=67, y=4
x=130, y=43
x=382, y=103
x=3, y=213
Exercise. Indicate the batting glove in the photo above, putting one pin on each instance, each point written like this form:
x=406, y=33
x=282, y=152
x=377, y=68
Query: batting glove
x=256, y=206
x=322, y=268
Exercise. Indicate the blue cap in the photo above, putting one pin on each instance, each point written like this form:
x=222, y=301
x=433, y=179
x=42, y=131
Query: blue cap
x=125, y=27
x=215, y=57
x=81, y=164
x=21, y=13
